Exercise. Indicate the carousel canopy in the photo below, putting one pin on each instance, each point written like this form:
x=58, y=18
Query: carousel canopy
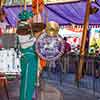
x=63, y=13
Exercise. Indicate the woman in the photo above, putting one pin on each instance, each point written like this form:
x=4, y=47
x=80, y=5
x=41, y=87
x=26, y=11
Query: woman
x=27, y=35
x=29, y=58
x=29, y=61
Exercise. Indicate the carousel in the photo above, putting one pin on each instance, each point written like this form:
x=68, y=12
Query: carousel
x=32, y=45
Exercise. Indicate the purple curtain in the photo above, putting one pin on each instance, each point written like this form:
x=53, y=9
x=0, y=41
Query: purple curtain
x=62, y=13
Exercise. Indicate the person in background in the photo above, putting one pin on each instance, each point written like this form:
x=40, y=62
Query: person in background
x=97, y=64
x=64, y=59
x=67, y=46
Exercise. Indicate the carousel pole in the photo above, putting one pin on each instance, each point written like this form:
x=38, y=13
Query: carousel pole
x=83, y=41
x=24, y=4
x=37, y=10
x=42, y=16
x=21, y=5
x=2, y=3
x=46, y=11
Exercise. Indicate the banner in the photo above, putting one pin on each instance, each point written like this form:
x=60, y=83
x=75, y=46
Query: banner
x=73, y=36
x=59, y=1
x=70, y=32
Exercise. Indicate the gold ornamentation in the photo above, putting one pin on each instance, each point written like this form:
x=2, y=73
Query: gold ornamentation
x=52, y=28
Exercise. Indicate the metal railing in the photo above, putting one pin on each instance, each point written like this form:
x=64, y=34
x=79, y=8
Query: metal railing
x=69, y=64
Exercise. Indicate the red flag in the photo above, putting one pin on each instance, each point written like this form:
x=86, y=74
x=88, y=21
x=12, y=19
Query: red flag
x=37, y=6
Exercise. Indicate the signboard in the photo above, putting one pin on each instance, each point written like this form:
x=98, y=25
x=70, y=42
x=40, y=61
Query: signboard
x=17, y=2
x=95, y=37
x=73, y=36
x=70, y=32
x=28, y=2
x=9, y=63
x=59, y=1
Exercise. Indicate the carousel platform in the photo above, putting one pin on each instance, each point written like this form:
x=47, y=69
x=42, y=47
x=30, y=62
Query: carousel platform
x=53, y=90
x=49, y=92
x=46, y=92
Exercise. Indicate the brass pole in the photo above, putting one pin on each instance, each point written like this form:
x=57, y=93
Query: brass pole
x=37, y=10
x=2, y=3
x=46, y=11
x=42, y=18
x=32, y=17
x=20, y=5
x=24, y=4
x=83, y=40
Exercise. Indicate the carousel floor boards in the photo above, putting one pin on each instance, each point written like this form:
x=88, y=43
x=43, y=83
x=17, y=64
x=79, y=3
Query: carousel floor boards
x=49, y=92
x=70, y=91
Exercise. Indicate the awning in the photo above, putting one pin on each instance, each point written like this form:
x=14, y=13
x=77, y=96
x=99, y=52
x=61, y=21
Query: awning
x=62, y=13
